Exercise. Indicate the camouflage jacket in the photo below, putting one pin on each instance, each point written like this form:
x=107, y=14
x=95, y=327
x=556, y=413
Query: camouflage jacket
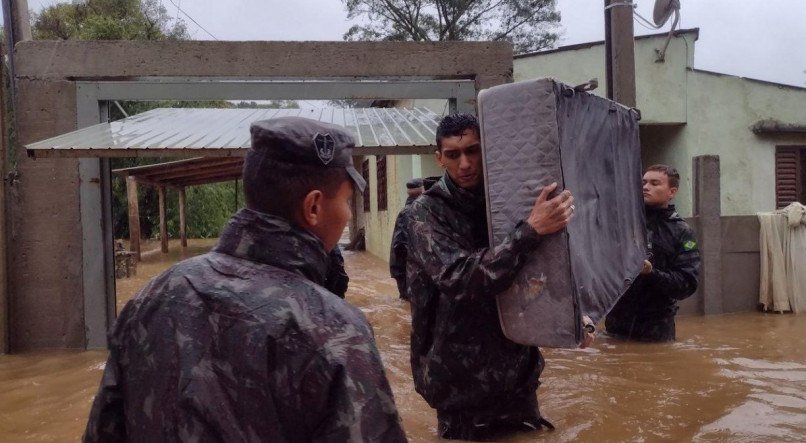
x=399, y=250
x=243, y=344
x=652, y=298
x=459, y=355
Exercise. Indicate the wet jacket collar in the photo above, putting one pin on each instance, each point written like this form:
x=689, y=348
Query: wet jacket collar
x=466, y=201
x=660, y=213
x=272, y=240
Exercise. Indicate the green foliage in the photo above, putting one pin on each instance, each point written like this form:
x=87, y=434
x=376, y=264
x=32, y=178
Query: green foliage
x=209, y=207
x=107, y=20
x=528, y=24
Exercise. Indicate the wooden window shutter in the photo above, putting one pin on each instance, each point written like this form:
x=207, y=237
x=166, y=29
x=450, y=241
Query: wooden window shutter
x=789, y=181
x=365, y=174
x=381, y=172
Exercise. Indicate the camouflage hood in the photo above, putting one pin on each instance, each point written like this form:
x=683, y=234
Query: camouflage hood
x=272, y=240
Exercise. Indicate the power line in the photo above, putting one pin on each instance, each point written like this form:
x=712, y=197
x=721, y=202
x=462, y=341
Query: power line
x=191, y=19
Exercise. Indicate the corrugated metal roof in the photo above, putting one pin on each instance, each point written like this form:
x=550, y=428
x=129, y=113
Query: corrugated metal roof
x=185, y=132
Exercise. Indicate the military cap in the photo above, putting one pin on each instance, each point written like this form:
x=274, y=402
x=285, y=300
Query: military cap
x=302, y=141
x=414, y=183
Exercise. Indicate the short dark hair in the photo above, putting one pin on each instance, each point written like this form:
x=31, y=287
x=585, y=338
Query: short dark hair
x=674, y=177
x=456, y=124
x=278, y=188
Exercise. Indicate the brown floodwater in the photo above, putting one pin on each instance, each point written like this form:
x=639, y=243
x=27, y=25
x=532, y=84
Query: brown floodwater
x=738, y=377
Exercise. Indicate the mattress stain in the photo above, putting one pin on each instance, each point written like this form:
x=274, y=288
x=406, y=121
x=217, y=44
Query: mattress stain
x=535, y=286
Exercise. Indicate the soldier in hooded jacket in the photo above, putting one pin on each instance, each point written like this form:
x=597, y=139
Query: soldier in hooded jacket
x=482, y=385
x=399, y=249
x=244, y=343
x=646, y=311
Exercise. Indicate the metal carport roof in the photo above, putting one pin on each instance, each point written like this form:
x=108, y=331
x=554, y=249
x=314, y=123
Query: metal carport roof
x=186, y=172
x=195, y=132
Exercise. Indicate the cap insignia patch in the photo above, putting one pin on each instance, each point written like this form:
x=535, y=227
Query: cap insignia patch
x=325, y=147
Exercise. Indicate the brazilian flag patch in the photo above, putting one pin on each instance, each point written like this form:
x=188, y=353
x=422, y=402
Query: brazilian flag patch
x=689, y=245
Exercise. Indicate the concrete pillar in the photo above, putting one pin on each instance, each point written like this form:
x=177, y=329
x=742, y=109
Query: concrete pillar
x=182, y=219
x=707, y=209
x=163, y=222
x=134, y=217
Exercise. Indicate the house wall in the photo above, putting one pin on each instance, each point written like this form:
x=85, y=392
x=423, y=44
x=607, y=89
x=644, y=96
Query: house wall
x=722, y=109
x=740, y=267
x=400, y=169
x=46, y=265
x=686, y=113
x=660, y=87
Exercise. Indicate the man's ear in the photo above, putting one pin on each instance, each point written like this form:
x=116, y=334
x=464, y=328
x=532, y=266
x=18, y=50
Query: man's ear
x=438, y=156
x=672, y=192
x=312, y=209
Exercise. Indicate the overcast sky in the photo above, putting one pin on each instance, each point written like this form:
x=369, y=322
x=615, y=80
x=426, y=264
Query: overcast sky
x=762, y=39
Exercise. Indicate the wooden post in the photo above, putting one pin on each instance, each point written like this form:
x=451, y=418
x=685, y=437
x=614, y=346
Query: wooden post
x=163, y=222
x=182, y=220
x=620, y=52
x=236, y=196
x=134, y=216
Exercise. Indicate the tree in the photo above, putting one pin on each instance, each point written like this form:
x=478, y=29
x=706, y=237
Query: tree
x=528, y=24
x=107, y=20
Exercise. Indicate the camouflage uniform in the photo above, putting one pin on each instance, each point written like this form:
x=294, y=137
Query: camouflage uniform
x=399, y=252
x=646, y=312
x=479, y=382
x=243, y=344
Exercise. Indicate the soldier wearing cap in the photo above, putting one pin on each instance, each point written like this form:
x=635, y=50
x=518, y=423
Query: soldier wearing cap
x=399, y=251
x=244, y=343
x=482, y=385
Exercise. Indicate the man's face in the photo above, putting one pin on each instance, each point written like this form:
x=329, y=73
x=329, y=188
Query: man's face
x=336, y=213
x=657, y=191
x=461, y=157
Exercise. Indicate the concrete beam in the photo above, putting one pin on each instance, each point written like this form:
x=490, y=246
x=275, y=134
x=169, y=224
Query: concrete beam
x=488, y=63
x=707, y=201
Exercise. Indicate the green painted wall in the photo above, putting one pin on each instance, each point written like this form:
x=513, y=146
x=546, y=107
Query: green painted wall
x=687, y=113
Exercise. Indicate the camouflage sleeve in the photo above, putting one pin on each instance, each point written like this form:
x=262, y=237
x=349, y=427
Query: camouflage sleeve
x=336, y=280
x=107, y=422
x=397, y=254
x=459, y=272
x=679, y=280
x=347, y=397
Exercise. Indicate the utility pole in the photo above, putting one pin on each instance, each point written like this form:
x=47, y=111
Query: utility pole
x=620, y=51
x=3, y=174
x=17, y=28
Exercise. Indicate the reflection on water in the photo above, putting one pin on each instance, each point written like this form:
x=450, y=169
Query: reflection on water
x=729, y=378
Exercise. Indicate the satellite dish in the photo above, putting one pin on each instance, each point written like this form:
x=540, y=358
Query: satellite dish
x=663, y=10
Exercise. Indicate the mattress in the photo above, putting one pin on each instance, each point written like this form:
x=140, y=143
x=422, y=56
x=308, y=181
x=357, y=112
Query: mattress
x=541, y=131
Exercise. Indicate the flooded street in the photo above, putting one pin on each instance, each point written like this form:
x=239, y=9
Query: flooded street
x=731, y=378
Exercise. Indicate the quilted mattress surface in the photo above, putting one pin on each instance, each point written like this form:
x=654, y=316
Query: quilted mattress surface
x=540, y=131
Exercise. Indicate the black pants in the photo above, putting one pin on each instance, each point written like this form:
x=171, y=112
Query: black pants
x=658, y=329
x=486, y=425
